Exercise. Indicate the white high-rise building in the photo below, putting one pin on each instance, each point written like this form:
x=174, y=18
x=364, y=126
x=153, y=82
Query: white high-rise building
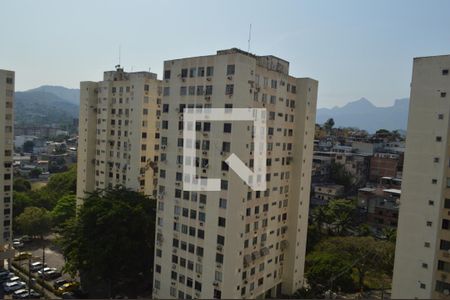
x=118, y=132
x=422, y=254
x=6, y=157
x=235, y=243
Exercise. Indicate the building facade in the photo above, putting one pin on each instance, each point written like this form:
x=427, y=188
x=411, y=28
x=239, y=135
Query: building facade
x=118, y=132
x=6, y=157
x=422, y=258
x=234, y=243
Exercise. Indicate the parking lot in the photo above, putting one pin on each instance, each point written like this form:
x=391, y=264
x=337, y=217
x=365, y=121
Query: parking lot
x=31, y=251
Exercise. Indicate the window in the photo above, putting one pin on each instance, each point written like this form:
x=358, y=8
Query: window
x=438, y=139
x=445, y=224
x=224, y=185
x=220, y=240
x=192, y=72
x=230, y=69
x=167, y=74
x=183, y=91
x=444, y=245
x=447, y=203
x=221, y=222
x=443, y=94
x=184, y=73
x=227, y=127
x=166, y=91
x=222, y=203
x=201, y=71
x=218, y=276
x=226, y=146
x=208, y=90
x=209, y=71
x=219, y=258
x=445, y=72
x=448, y=182
x=9, y=80
x=229, y=89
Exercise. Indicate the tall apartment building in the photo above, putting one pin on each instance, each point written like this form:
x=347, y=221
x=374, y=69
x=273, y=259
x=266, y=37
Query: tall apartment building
x=6, y=156
x=422, y=255
x=234, y=243
x=118, y=132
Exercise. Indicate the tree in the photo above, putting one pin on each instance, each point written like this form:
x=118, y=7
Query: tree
x=21, y=185
x=111, y=241
x=326, y=269
x=21, y=201
x=34, y=221
x=28, y=147
x=64, y=209
x=328, y=125
x=363, y=254
x=34, y=173
x=339, y=175
x=340, y=214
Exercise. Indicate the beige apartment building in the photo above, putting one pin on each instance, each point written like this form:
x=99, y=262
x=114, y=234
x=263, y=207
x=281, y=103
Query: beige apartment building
x=118, y=132
x=236, y=242
x=422, y=255
x=6, y=156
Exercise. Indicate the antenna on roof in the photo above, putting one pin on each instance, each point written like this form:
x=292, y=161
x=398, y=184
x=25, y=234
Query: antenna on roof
x=120, y=50
x=249, y=37
x=118, y=65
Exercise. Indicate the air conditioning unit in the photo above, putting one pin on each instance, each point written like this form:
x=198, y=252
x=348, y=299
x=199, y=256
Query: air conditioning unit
x=174, y=266
x=208, y=78
x=174, y=250
x=219, y=248
x=176, y=217
x=229, y=77
x=201, y=206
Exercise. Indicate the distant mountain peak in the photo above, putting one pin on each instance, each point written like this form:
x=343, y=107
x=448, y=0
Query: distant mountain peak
x=66, y=94
x=364, y=114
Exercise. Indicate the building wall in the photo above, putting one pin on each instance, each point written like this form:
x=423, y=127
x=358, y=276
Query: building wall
x=118, y=132
x=283, y=208
x=424, y=185
x=6, y=154
x=383, y=167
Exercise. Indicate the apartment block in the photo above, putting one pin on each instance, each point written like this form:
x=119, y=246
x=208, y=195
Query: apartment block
x=6, y=157
x=118, y=132
x=236, y=242
x=422, y=256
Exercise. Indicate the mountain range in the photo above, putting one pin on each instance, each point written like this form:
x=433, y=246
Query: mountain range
x=59, y=105
x=46, y=105
x=365, y=115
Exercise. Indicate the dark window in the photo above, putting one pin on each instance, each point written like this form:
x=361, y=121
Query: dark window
x=227, y=127
x=184, y=73
x=219, y=258
x=230, y=69
x=445, y=72
x=447, y=203
x=221, y=222
x=167, y=74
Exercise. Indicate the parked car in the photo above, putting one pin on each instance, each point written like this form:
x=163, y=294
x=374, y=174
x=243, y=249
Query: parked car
x=67, y=287
x=36, y=266
x=23, y=294
x=17, y=243
x=49, y=273
x=10, y=287
x=68, y=295
x=4, y=275
x=20, y=293
x=59, y=282
x=13, y=278
x=22, y=256
x=53, y=274
x=25, y=239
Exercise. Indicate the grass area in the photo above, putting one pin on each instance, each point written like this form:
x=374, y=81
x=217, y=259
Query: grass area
x=37, y=185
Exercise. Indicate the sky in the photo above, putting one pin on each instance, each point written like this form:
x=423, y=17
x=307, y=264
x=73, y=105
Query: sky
x=354, y=48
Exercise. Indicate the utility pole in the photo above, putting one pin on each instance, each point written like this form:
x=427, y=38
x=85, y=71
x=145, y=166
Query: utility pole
x=29, y=275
